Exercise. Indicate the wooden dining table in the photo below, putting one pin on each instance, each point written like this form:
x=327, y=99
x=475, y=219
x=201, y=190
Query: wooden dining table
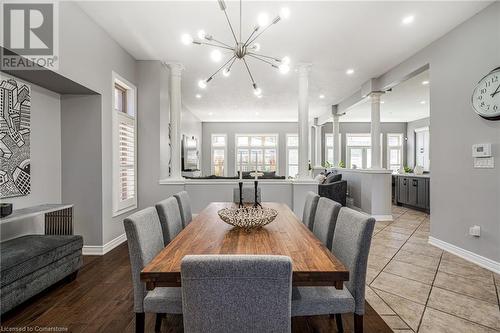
x=312, y=263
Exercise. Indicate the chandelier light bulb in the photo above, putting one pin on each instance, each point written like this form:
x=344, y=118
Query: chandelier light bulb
x=257, y=91
x=285, y=13
x=226, y=72
x=263, y=19
x=202, y=34
x=256, y=47
x=186, y=39
x=285, y=61
x=216, y=55
x=284, y=68
x=202, y=84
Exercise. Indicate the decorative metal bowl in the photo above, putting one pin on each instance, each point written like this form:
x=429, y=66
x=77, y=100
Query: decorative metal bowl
x=248, y=217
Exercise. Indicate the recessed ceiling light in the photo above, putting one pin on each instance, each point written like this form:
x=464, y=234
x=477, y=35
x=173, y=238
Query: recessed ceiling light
x=321, y=96
x=210, y=113
x=382, y=102
x=422, y=102
x=256, y=113
x=425, y=82
x=350, y=71
x=408, y=19
x=198, y=96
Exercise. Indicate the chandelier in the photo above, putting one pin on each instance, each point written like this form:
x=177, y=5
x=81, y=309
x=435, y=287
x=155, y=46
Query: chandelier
x=242, y=49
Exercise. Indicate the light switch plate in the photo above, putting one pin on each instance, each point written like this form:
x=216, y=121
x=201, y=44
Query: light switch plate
x=484, y=162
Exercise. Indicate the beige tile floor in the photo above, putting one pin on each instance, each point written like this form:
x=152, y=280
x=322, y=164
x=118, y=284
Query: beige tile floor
x=416, y=287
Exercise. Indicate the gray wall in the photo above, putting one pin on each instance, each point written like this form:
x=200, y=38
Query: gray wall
x=347, y=127
x=45, y=150
x=81, y=163
x=461, y=195
x=88, y=55
x=410, y=143
x=231, y=129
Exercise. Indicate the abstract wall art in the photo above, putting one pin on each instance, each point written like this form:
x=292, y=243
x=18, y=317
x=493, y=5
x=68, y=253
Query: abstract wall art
x=15, y=109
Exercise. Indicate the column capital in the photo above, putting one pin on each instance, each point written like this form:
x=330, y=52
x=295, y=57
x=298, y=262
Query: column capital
x=176, y=68
x=375, y=96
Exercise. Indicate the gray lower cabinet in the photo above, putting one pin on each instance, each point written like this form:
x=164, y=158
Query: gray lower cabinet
x=413, y=191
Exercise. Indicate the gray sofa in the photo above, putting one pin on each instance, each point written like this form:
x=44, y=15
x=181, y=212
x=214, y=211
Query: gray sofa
x=32, y=263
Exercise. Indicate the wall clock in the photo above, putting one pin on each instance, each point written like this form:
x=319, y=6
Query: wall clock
x=486, y=96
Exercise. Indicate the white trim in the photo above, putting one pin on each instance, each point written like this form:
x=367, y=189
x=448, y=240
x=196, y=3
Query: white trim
x=118, y=207
x=474, y=258
x=380, y=218
x=96, y=250
x=422, y=129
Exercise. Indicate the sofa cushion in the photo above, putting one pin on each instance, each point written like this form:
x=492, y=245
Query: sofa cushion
x=332, y=178
x=24, y=255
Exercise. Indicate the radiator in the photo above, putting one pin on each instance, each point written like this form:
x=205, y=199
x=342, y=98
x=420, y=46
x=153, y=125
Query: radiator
x=59, y=222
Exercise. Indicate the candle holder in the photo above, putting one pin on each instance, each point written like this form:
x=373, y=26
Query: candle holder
x=256, y=174
x=240, y=205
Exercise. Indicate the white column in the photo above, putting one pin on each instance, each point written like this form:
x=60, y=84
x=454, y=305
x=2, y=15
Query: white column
x=303, y=70
x=317, y=146
x=375, y=129
x=175, y=119
x=336, y=141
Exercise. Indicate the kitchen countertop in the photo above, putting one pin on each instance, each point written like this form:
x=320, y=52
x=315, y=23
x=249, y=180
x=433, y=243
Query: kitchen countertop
x=425, y=175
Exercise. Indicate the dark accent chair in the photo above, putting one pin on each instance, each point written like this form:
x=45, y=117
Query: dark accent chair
x=334, y=188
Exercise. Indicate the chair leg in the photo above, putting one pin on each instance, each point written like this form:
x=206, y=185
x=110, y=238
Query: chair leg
x=358, y=323
x=338, y=320
x=139, y=322
x=159, y=317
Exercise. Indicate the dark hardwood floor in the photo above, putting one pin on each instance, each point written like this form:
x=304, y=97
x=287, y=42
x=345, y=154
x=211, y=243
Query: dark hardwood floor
x=101, y=298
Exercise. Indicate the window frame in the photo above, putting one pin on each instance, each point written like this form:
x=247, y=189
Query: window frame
x=364, y=153
x=129, y=116
x=332, y=147
x=400, y=148
x=249, y=147
x=212, y=148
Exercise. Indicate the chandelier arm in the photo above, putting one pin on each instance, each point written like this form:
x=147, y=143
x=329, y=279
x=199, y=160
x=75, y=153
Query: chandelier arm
x=230, y=26
x=251, y=35
x=266, y=61
x=222, y=43
x=221, y=67
x=215, y=45
x=248, y=70
x=264, y=56
x=234, y=59
x=260, y=33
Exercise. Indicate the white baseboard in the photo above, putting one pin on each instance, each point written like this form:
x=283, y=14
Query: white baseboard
x=383, y=218
x=466, y=255
x=377, y=218
x=96, y=250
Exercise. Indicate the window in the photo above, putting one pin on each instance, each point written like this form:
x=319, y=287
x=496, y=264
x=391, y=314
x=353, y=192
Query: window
x=257, y=151
x=359, y=150
x=394, y=152
x=124, y=146
x=329, y=147
x=292, y=155
x=219, y=152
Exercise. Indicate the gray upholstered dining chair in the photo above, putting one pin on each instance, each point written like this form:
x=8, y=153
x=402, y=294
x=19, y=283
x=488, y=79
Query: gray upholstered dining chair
x=351, y=245
x=145, y=241
x=170, y=218
x=236, y=293
x=184, y=203
x=310, y=209
x=325, y=219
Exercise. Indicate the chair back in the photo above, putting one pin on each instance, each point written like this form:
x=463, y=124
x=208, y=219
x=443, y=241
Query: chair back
x=184, y=203
x=145, y=241
x=325, y=220
x=351, y=245
x=170, y=218
x=236, y=293
x=310, y=209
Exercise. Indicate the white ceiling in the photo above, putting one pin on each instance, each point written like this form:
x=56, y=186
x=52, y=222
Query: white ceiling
x=408, y=101
x=366, y=36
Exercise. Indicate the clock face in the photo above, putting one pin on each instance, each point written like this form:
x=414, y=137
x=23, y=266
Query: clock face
x=486, y=96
